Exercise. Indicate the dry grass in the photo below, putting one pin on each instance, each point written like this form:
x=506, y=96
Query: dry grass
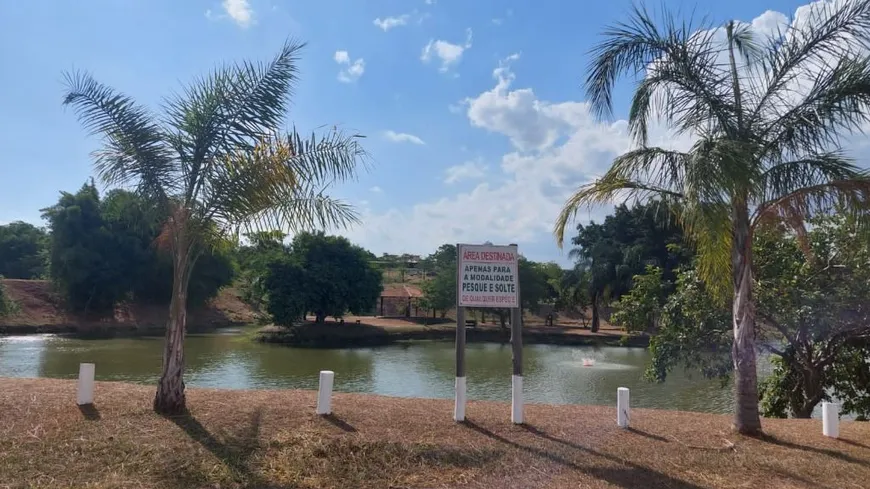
x=272, y=439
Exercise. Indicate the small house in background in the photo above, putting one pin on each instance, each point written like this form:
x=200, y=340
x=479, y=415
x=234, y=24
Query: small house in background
x=400, y=301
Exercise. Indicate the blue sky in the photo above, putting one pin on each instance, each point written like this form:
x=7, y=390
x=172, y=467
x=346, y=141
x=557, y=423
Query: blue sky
x=473, y=110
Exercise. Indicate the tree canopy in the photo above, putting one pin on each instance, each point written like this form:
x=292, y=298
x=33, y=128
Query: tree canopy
x=765, y=111
x=22, y=251
x=325, y=275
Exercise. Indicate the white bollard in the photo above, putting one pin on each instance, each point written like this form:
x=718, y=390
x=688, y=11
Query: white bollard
x=85, y=390
x=517, y=399
x=459, y=400
x=831, y=419
x=324, y=393
x=622, y=407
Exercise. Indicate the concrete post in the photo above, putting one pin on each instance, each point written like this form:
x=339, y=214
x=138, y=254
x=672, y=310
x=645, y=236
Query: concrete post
x=831, y=419
x=324, y=393
x=85, y=387
x=623, y=414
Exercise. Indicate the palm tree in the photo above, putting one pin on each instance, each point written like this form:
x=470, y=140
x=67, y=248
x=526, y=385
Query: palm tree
x=216, y=162
x=765, y=113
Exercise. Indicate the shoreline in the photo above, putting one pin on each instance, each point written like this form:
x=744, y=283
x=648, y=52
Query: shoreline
x=272, y=438
x=351, y=335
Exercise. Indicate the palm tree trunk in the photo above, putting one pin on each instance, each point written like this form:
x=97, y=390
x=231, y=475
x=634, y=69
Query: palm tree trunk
x=170, y=397
x=746, y=418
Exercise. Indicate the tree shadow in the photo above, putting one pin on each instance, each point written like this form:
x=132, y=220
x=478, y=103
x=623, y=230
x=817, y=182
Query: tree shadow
x=648, y=435
x=629, y=475
x=90, y=412
x=338, y=422
x=821, y=451
x=853, y=443
x=235, y=452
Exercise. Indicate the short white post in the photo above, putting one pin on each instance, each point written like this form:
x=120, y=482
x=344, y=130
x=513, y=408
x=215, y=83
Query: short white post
x=324, y=394
x=622, y=407
x=517, y=399
x=459, y=400
x=831, y=419
x=85, y=390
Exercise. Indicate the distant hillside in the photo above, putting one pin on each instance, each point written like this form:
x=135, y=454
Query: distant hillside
x=42, y=311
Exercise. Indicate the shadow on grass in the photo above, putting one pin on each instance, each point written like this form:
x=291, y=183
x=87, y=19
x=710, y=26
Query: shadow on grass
x=235, y=452
x=821, y=451
x=854, y=443
x=90, y=412
x=628, y=475
x=338, y=422
x=648, y=435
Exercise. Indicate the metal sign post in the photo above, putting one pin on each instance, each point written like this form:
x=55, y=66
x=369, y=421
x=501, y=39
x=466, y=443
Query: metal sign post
x=487, y=276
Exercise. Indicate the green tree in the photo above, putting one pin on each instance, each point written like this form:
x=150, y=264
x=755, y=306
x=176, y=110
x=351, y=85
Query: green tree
x=439, y=293
x=765, y=113
x=640, y=309
x=326, y=275
x=23, y=250
x=217, y=160
x=8, y=307
x=813, y=317
x=88, y=265
x=613, y=252
x=265, y=247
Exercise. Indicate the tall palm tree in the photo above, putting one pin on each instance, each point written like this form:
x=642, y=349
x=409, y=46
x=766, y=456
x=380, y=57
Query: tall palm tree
x=765, y=112
x=216, y=161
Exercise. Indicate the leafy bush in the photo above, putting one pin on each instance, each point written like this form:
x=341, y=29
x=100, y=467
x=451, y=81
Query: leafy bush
x=8, y=307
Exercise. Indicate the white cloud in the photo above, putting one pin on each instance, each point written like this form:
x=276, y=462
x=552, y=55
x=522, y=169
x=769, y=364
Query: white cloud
x=431, y=2
x=351, y=71
x=388, y=23
x=530, y=123
x=448, y=53
x=376, y=189
x=559, y=145
x=497, y=21
x=469, y=170
x=239, y=11
x=401, y=137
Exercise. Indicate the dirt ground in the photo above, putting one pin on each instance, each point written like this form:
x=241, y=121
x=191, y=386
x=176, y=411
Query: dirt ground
x=42, y=311
x=273, y=439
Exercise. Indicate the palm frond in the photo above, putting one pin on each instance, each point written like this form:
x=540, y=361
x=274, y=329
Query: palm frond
x=606, y=190
x=678, y=59
x=134, y=151
x=234, y=107
x=790, y=176
x=829, y=31
x=708, y=227
x=802, y=204
x=837, y=102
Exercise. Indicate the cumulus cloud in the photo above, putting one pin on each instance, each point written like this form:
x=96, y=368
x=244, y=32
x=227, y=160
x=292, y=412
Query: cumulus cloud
x=388, y=23
x=401, y=137
x=448, y=53
x=470, y=170
x=350, y=71
x=557, y=146
x=239, y=11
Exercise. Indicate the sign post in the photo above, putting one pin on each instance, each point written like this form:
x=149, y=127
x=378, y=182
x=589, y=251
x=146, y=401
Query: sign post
x=487, y=276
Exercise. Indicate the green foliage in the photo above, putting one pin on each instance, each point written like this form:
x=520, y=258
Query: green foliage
x=87, y=264
x=326, y=275
x=639, y=310
x=265, y=247
x=534, y=284
x=439, y=293
x=103, y=252
x=23, y=251
x=8, y=307
x=695, y=332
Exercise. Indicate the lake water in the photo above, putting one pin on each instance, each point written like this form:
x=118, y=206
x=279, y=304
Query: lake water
x=553, y=374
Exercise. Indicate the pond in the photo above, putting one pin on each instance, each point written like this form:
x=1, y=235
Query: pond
x=230, y=359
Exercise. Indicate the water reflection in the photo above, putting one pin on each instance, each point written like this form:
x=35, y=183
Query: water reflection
x=553, y=374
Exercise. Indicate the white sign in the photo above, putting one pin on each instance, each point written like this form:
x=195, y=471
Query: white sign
x=488, y=276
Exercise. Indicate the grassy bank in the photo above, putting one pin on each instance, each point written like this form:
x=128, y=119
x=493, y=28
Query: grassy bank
x=272, y=439
x=350, y=334
x=40, y=310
